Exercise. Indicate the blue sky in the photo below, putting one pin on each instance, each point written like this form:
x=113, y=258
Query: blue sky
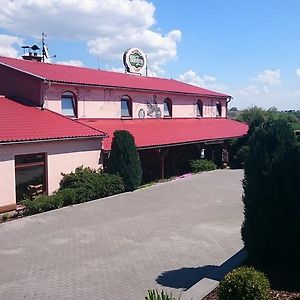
x=248, y=49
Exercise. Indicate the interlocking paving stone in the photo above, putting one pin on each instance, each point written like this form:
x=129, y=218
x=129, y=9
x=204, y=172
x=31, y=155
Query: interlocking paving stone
x=116, y=248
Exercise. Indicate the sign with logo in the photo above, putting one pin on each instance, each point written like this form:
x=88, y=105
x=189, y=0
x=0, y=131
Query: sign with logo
x=134, y=60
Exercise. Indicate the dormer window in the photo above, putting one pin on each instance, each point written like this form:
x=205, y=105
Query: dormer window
x=126, y=107
x=69, y=104
x=199, y=109
x=167, y=108
x=218, y=109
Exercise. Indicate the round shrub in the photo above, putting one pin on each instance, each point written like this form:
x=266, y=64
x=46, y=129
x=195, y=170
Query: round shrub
x=201, y=165
x=81, y=176
x=244, y=283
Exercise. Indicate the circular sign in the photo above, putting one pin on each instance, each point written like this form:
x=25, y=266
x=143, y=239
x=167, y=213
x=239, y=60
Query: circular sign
x=134, y=60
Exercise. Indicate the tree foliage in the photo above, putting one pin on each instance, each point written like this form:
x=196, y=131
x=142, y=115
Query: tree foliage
x=124, y=159
x=255, y=117
x=271, y=227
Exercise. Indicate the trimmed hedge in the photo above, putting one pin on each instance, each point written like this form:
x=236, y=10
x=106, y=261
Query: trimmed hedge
x=244, y=283
x=80, y=186
x=201, y=165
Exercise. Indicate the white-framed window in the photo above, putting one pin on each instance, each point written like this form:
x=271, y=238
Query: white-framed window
x=218, y=109
x=69, y=104
x=199, y=109
x=126, y=107
x=167, y=108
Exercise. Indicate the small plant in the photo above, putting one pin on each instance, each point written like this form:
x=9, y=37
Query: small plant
x=244, y=283
x=201, y=165
x=155, y=295
x=5, y=217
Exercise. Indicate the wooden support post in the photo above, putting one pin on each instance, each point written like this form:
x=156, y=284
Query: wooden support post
x=161, y=153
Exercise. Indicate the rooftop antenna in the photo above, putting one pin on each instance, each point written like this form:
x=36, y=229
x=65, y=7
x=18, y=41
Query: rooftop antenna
x=45, y=53
x=35, y=52
x=44, y=49
x=148, y=67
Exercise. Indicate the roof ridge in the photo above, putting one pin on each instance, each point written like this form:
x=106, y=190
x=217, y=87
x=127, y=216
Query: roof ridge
x=69, y=74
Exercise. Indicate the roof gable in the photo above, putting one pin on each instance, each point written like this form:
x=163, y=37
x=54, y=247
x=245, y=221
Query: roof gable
x=87, y=76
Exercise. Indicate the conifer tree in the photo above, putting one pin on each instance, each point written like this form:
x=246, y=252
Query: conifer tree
x=124, y=159
x=271, y=227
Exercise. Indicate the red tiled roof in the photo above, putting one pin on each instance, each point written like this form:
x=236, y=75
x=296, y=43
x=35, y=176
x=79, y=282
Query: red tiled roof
x=155, y=132
x=20, y=123
x=79, y=75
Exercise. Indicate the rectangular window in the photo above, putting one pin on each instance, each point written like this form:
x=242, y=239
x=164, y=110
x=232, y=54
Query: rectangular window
x=30, y=171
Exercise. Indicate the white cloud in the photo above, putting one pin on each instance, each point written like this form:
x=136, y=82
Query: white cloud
x=205, y=81
x=8, y=44
x=107, y=26
x=249, y=90
x=298, y=72
x=71, y=62
x=268, y=77
x=193, y=78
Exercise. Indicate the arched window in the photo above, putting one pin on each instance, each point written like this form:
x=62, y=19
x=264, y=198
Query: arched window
x=218, y=109
x=199, y=109
x=126, y=107
x=167, y=108
x=69, y=104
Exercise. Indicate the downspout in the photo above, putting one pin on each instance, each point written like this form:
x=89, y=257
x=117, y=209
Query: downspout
x=45, y=87
x=228, y=100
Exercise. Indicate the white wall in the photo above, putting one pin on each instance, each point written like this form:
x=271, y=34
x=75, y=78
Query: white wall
x=98, y=102
x=61, y=157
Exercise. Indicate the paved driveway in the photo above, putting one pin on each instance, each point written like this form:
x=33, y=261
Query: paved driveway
x=118, y=247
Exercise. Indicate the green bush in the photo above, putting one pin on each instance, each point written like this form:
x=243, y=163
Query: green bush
x=81, y=176
x=124, y=159
x=90, y=184
x=41, y=204
x=108, y=185
x=155, y=295
x=244, y=283
x=201, y=165
x=80, y=186
x=68, y=196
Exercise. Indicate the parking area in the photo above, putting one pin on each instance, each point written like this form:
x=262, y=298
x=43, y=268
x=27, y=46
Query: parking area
x=118, y=247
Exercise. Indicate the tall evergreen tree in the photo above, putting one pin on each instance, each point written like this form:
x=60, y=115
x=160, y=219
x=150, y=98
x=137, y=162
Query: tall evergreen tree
x=124, y=159
x=271, y=227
